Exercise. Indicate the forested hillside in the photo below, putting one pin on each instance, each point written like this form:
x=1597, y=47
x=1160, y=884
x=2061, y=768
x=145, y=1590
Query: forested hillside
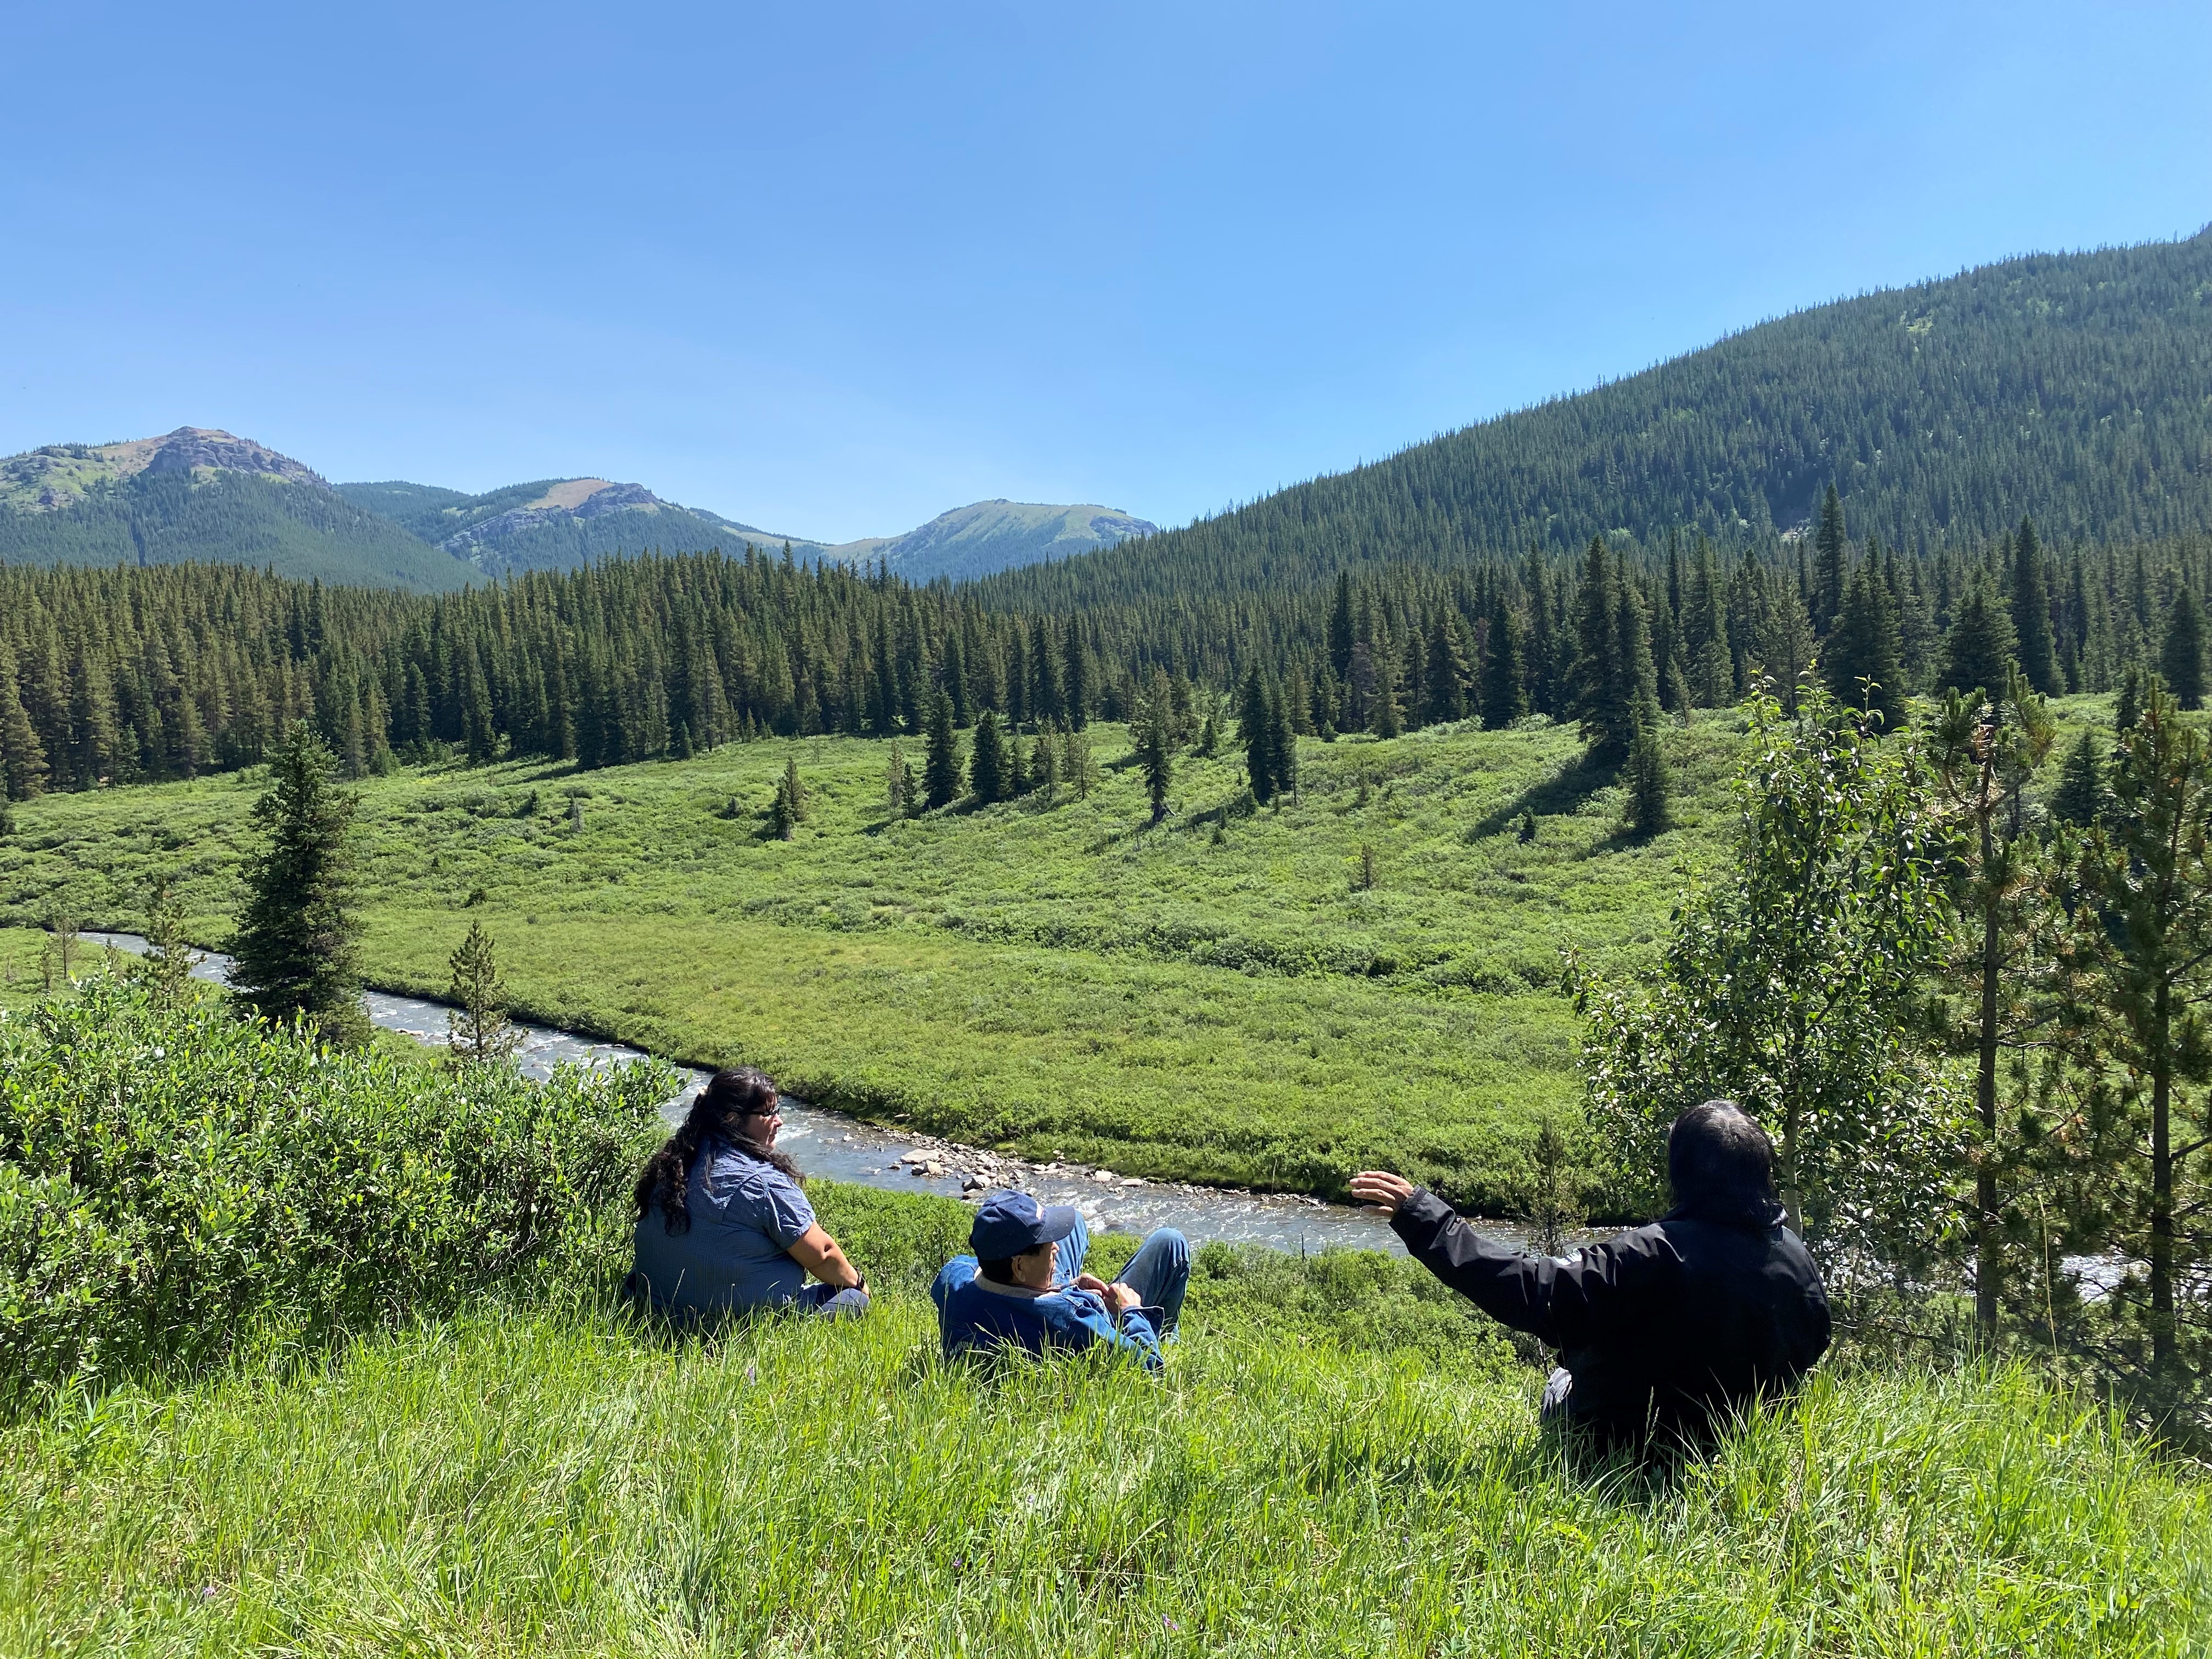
x=2070, y=386
x=203, y=495
x=554, y=524
x=558, y=524
x=128, y=673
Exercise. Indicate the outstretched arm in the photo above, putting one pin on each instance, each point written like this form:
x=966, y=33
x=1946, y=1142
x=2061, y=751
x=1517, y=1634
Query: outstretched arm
x=816, y=1252
x=1558, y=1302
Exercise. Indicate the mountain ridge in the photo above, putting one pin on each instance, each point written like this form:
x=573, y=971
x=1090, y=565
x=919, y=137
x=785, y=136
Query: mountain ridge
x=558, y=523
x=2068, y=386
x=200, y=493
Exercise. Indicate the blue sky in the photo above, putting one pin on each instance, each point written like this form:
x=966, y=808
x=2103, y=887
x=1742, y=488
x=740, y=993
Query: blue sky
x=832, y=269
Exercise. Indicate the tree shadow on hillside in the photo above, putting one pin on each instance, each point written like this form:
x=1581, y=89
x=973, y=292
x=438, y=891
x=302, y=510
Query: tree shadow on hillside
x=1557, y=796
x=1238, y=806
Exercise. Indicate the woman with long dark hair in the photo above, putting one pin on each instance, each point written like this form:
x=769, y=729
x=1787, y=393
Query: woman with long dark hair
x=723, y=1224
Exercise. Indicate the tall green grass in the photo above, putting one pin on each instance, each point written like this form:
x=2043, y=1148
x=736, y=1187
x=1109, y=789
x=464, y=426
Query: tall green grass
x=563, y=1481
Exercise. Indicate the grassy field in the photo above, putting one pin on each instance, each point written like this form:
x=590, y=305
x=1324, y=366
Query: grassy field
x=1209, y=998
x=521, y=1482
x=1342, y=1457
x=1212, y=999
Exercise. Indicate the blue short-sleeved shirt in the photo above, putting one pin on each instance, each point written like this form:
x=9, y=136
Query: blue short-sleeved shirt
x=745, y=1216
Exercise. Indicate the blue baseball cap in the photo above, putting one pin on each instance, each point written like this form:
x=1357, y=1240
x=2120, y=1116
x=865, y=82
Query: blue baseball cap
x=1014, y=1224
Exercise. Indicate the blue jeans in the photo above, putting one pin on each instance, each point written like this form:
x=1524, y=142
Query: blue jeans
x=832, y=1304
x=1159, y=1272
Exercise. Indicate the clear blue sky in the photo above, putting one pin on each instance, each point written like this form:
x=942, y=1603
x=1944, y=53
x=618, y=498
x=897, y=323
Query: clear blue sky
x=832, y=269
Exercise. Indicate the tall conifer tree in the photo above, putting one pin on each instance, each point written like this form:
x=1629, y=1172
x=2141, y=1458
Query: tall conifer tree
x=295, y=950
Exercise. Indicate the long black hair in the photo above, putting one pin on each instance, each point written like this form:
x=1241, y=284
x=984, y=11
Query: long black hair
x=1721, y=1164
x=718, y=1113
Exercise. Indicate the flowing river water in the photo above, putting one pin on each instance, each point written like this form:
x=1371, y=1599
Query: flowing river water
x=842, y=1148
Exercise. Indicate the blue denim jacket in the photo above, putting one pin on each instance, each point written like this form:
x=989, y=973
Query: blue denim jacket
x=973, y=1314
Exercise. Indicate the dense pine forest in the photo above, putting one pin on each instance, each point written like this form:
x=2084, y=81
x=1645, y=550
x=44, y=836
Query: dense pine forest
x=2070, y=386
x=123, y=674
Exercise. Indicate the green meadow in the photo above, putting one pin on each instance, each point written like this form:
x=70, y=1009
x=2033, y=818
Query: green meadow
x=557, y=1480
x=1214, y=998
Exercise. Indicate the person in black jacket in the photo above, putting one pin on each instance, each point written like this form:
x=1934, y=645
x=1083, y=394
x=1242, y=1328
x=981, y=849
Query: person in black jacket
x=1661, y=1330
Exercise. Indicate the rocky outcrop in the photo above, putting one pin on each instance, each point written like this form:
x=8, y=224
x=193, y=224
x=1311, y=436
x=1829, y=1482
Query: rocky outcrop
x=612, y=498
x=191, y=446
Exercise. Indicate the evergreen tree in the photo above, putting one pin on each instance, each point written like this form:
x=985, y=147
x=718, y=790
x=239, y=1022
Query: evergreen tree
x=22, y=756
x=1595, y=608
x=1985, y=751
x=2181, y=653
x=1256, y=724
x=295, y=950
x=1413, y=678
x=940, y=770
x=1504, y=688
x=1155, y=754
x=1830, y=568
x=1705, y=657
x=478, y=1031
x=2080, y=797
x=1649, y=787
x=2139, y=957
x=1785, y=644
x=1979, y=652
x=1341, y=634
x=987, y=762
x=2129, y=707
x=1388, y=718
x=1446, y=671
x=1076, y=671
x=1047, y=699
x=1284, y=744
x=165, y=969
x=2030, y=613
x=1863, y=651
x=1625, y=677
x=1017, y=767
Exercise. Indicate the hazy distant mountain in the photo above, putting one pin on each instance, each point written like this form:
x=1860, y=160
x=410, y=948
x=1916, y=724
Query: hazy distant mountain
x=560, y=523
x=556, y=524
x=199, y=493
x=990, y=536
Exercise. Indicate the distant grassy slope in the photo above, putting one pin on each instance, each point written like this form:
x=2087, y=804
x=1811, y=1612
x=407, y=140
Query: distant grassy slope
x=556, y=1482
x=1061, y=980
x=204, y=496
x=989, y=536
x=2070, y=386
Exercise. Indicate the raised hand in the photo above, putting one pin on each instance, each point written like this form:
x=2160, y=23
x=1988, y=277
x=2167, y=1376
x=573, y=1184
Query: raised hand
x=1381, y=1188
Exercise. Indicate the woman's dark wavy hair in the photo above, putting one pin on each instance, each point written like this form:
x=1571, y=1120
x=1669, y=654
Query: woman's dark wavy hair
x=718, y=1113
x=1720, y=1165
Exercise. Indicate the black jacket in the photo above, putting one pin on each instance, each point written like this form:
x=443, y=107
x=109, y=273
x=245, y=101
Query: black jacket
x=1662, y=1328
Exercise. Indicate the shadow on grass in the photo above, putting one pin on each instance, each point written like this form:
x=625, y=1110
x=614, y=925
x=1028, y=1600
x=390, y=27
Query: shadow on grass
x=1561, y=794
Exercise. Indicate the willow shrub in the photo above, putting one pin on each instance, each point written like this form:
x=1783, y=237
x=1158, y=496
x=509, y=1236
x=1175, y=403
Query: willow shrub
x=170, y=1178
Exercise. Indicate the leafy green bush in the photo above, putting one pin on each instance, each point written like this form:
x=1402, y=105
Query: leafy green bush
x=169, y=1178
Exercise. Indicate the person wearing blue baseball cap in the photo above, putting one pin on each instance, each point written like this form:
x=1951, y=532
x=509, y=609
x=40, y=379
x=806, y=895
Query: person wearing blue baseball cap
x=1025, y=1286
